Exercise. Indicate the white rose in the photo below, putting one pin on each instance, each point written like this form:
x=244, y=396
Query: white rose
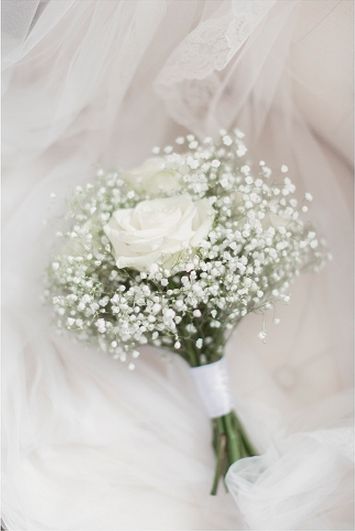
x=154, y=176
x=155, y=230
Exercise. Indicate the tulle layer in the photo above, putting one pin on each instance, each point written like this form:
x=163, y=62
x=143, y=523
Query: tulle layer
x=87, y=444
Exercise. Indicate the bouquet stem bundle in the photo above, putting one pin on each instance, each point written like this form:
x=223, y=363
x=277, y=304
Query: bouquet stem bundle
x=230, y=443
x=229, y=439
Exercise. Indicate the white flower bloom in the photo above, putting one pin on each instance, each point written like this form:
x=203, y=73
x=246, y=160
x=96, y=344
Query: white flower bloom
x=154, y=176
x=155, y=231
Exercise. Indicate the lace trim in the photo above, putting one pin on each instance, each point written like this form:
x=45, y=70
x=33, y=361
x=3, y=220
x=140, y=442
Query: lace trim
x=189, y=79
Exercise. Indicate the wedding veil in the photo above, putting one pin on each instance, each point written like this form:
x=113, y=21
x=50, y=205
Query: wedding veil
x=87, y=445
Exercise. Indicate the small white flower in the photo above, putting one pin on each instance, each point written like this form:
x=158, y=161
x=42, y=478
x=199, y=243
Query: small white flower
x=199, y=343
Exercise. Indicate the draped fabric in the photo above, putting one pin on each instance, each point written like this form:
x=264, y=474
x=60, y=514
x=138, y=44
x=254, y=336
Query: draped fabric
x=87, y=444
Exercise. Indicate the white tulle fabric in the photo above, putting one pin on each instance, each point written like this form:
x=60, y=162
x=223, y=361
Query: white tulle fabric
x=89, y=445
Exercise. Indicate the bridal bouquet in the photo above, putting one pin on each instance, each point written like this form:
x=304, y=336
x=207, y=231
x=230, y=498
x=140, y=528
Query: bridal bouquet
x=174, y=254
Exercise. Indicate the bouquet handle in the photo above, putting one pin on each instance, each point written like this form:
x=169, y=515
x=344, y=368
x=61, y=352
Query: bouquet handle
x=229, y=440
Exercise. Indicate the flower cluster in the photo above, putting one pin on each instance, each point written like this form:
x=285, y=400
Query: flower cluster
x=176, y=252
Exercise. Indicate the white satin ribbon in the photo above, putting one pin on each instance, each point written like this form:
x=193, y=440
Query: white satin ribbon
x=212, y=384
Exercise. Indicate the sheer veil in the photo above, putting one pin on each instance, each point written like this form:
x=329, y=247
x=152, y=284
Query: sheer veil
x=87, y=445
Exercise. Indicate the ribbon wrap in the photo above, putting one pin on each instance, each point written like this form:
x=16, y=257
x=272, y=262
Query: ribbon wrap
x=213, y=387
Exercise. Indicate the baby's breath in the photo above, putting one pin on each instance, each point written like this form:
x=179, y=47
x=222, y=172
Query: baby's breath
x=258, y=245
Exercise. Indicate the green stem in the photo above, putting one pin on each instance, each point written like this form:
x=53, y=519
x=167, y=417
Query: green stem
x=246, y=442
x=230, y=443
x=220, y=448
x=233, y=444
